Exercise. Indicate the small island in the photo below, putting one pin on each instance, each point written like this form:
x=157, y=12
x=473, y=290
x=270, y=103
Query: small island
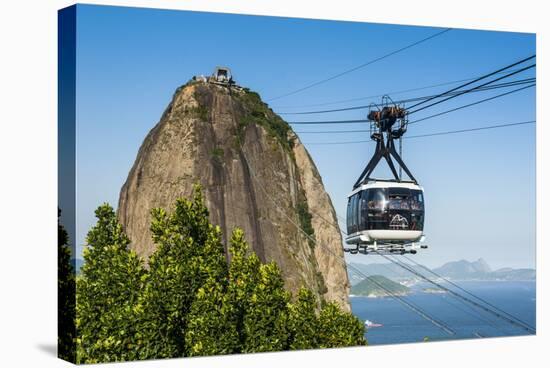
x=378, y=286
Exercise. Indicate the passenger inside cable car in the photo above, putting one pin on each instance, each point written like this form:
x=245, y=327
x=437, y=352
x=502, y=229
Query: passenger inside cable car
x=386, y=209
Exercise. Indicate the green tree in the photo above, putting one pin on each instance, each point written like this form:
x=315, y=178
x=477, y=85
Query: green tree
x=189, y=252
x=260, y=324
x=303, y=323
x=66, y=297
x=190, y=301
x=212, y=327
x=339, y=328
x=111, y=280
x=266, y=315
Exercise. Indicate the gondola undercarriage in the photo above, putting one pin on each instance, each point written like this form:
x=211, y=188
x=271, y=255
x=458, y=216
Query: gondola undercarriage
x=386, y=248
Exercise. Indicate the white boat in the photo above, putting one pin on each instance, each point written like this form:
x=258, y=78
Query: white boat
x=371, y=324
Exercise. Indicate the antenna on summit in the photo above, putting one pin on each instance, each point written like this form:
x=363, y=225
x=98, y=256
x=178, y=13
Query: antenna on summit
x=221, y=76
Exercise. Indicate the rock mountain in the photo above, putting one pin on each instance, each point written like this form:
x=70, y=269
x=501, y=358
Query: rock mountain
x=255, y=174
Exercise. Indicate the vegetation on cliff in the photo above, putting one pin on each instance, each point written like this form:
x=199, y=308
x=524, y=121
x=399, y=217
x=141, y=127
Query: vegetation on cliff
x=257, y=111
x=190, y=301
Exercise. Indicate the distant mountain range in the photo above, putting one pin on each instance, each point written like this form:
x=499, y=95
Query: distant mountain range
x=458, y=271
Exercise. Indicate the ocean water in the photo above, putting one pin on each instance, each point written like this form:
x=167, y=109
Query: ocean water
x=401, y=325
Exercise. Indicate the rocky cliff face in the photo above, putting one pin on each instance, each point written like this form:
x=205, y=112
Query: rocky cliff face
x=255, y=175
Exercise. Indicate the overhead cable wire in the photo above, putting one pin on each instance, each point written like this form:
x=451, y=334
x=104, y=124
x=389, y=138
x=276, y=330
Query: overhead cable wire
x=471, y=104
x=471, y=130
x=413, y=99
x=465, y=299
x=354, y=121
x=479, y=317
x=475, y=316
x=431, y=134
x=332, y=131
x=466, y=91
x=483, y=77
x=381, y=95
x=407, y=303
x=462, y=297
x=420, y=135
x=472, y=312
x=467, y=292
x=360, y=66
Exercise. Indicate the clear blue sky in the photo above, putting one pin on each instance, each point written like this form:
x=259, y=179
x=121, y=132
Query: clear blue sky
x=480, y=187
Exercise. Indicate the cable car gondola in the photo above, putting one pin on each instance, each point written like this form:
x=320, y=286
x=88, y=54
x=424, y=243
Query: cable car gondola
x=386, y=216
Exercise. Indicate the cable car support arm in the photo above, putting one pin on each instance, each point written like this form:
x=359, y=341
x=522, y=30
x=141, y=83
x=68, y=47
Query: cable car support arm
x=385, y=147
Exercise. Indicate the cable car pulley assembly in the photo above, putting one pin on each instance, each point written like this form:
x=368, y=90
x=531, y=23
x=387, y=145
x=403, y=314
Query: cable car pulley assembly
x=386, y=216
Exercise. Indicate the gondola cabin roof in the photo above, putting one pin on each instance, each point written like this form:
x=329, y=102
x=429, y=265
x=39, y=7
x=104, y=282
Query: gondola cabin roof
x=386, y=184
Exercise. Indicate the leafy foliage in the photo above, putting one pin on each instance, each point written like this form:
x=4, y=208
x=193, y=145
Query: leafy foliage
x=191, y=301
x=303, y=324
x=212, y=327
x=189, y=252
x=339, y=329
x=305, y=217
x=66, y=297
x=258, y=112
x=257, y=291
x=107, y=293
x=217, y=153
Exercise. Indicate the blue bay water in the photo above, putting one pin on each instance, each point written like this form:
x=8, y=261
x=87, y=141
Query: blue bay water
x=401, y=325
